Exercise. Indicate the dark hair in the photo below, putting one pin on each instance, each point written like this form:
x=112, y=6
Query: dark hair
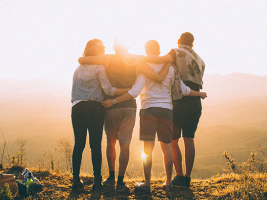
x=91, y=43
x=153, y=47
x=187, y=39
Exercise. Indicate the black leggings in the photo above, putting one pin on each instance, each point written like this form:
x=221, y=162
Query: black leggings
x=87, y=115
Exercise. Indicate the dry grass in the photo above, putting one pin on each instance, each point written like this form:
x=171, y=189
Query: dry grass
x=57, y=185
x=247, y=180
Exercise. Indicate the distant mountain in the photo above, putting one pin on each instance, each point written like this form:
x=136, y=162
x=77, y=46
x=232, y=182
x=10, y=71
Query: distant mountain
x=233, y=113
x=233, y=86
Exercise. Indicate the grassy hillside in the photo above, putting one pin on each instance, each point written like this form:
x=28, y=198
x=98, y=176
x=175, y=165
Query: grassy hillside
x=233, y=119
x=221, y=128
x=226, y=186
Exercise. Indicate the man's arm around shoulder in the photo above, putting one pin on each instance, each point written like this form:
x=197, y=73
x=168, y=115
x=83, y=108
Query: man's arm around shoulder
x=157, y=59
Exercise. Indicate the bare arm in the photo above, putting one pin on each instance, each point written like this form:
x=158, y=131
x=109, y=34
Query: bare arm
x=103, y=59
x=125, y=97
x=186, y=91
x=151, y=74
x=156, y=59
x=203, y=95
x=132, y=93
x=120, y=91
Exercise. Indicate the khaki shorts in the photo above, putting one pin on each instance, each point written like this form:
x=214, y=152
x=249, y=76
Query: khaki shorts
x=119, y=123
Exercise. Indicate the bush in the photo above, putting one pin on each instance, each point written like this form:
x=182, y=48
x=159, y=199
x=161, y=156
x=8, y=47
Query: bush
x=5, y=193
x=253, y=164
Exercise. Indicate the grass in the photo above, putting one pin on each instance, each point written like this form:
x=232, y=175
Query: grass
x=248, y=185
x=245, y=181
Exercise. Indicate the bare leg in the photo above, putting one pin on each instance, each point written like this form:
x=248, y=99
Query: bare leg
x=111, y=153
x=177, y=157
x=168, y=160
x=124, y=158
x=189, y=155
x=147, y=163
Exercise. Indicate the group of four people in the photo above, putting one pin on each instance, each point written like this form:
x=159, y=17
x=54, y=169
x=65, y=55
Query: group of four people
x=170, y=104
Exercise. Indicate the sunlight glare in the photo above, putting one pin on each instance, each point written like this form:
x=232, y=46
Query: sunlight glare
x=143, y=155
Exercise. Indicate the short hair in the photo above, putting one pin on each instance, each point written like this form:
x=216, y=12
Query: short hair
x=91, y=43
x=187, y=39
x=153, y=47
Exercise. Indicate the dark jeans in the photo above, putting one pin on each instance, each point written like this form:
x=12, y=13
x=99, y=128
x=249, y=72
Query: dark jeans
x=87, y=115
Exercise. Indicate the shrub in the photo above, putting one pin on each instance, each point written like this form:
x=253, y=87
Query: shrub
x=5, y=193
x=253, y=164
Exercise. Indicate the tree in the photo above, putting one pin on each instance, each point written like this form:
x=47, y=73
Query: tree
x=21, y=142
x=66, y=150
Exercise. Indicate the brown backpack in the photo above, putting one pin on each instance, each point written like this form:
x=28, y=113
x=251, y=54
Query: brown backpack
x=10, y=179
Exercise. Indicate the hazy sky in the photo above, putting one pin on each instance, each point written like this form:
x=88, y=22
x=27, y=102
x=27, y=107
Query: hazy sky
x=43, y=39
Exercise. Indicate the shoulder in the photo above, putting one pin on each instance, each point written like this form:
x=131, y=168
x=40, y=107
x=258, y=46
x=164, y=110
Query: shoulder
x=106, y=57
x=180, y=51
x=172, y=51
x=170, y=57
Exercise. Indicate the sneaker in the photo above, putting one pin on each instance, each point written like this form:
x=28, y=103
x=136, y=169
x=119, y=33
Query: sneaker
x=109, y=182
x=179, y=181
x=122, y=187
x=139, y=186
x=167, y=187
x=77, y=185
x=97, y=186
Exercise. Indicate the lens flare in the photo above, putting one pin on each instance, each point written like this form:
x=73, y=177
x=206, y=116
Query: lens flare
x=130, y=59
x=143, y=155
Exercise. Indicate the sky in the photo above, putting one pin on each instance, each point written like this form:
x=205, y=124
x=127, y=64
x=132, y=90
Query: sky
x=43, y=39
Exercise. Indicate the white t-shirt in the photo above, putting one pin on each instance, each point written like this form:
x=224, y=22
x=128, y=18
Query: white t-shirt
x=154, y=94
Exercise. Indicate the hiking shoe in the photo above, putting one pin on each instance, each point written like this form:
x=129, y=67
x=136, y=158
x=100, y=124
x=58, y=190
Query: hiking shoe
x=97, y=186
x=109, y=182
x=139, y=186
x=167, y=187
x=179, y=181
x=77, y=185
x=187, y=181
x=122, y=187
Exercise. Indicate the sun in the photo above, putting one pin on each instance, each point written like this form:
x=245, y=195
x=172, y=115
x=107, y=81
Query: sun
x=143, y=156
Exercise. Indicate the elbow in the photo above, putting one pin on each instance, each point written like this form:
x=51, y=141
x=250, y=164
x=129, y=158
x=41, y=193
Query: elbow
x=132, y=95
x=188, y=93
x=80, y=60
x=109, y=91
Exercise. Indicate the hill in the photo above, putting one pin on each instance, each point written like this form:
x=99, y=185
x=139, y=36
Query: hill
x=233, y=119
x=224, y=187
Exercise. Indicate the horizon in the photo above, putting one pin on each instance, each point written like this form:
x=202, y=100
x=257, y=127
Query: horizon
x=40, y=111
